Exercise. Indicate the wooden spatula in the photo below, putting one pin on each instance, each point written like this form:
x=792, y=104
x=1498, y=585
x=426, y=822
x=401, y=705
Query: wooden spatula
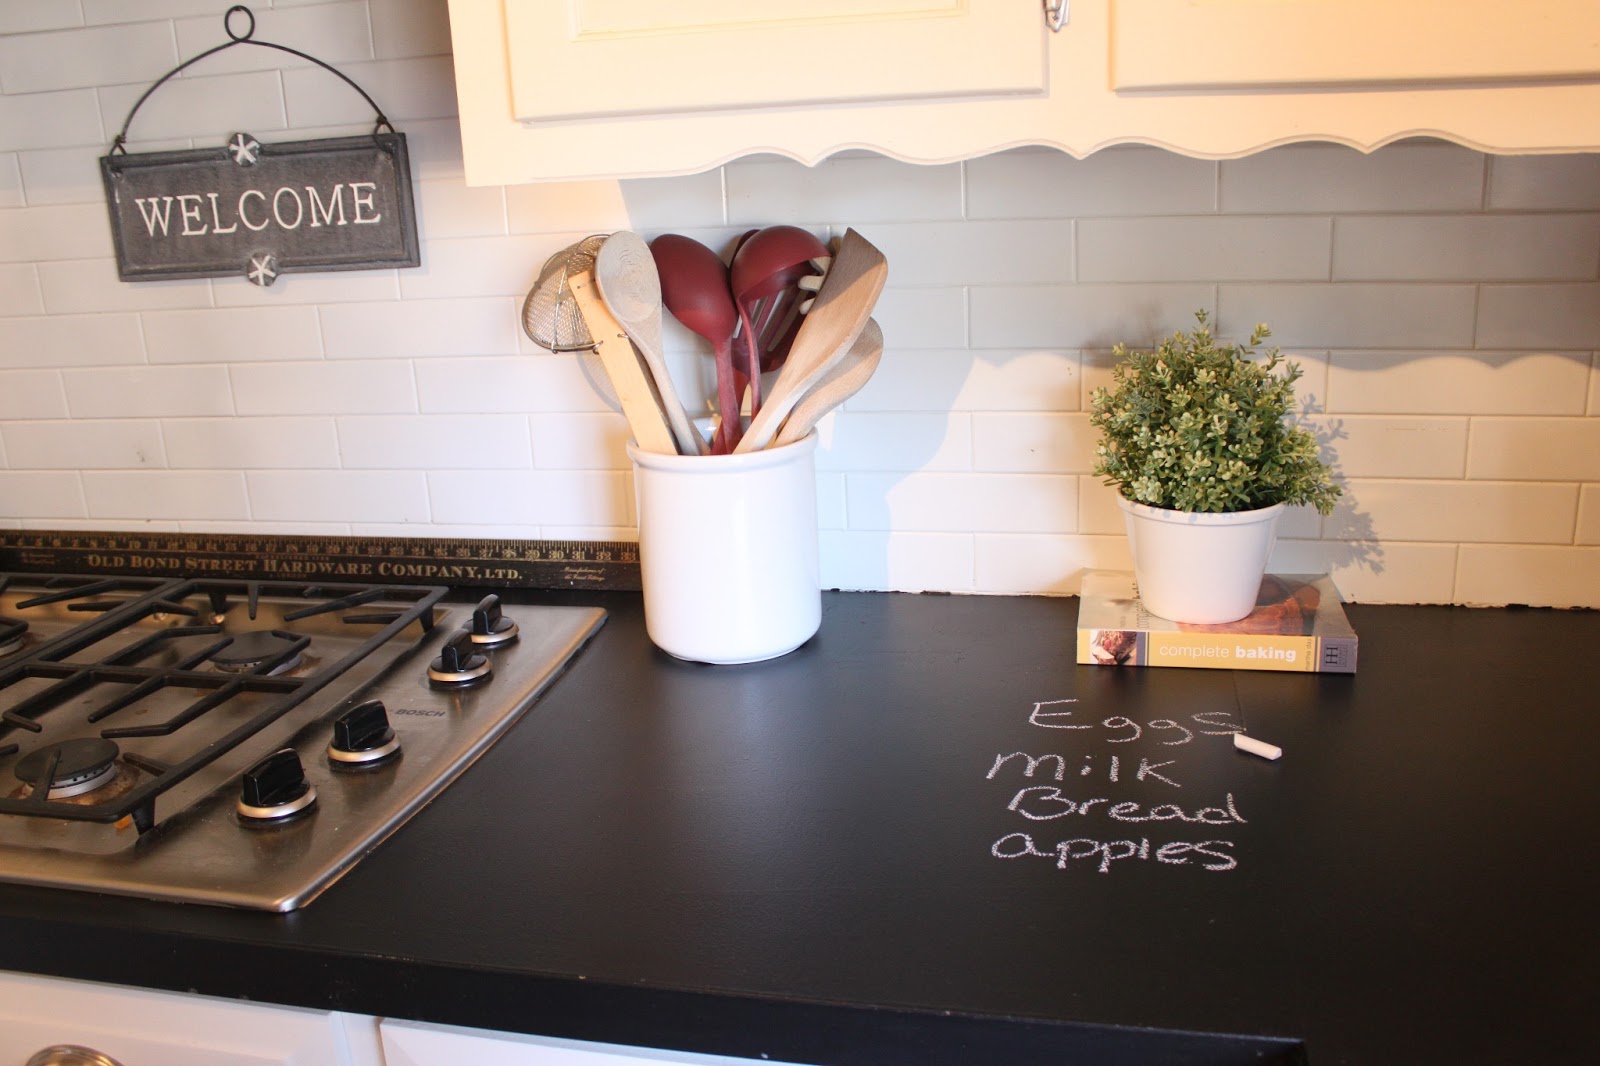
x=641, y=405
x=836, y=386
x=844, y=304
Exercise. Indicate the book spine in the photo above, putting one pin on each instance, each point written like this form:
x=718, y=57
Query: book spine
x=1235, y=651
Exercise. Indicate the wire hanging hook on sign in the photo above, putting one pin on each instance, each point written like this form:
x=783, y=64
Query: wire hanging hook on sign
x=119, y=142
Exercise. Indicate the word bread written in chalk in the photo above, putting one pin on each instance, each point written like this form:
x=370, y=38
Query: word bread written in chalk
x=1101, y=820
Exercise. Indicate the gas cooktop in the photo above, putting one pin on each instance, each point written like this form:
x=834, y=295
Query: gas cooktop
x=244, y=743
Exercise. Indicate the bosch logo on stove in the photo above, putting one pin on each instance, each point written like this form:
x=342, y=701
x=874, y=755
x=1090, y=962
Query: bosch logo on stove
x=417, y=712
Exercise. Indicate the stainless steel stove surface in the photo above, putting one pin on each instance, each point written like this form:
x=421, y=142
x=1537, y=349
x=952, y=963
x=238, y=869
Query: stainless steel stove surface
x=244, y=743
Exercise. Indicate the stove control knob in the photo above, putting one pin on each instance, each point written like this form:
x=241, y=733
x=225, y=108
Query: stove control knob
x=489, y=627
x=459, y=663
x=362, y=737
x=275, y=789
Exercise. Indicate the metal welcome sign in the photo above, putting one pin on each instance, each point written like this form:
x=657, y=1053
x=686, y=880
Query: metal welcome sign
x=258, y=209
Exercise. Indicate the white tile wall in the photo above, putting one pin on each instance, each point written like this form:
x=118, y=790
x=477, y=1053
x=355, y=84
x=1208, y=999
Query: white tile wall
x=1445, y=306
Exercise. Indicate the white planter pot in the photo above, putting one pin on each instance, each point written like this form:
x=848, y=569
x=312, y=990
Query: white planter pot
x=1201, y=568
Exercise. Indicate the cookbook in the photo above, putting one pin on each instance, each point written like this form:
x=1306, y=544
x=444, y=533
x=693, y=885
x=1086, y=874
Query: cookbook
x=1298, y=624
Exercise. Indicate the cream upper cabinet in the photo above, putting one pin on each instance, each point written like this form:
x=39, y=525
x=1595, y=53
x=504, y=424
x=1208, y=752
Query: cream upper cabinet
x=572, y=89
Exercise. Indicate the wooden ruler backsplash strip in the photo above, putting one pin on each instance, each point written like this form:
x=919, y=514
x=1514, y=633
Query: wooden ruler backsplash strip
x=543, y=564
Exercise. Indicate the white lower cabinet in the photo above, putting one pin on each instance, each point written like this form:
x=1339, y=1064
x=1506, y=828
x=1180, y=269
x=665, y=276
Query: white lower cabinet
x=136, y=1027
x=419, y=1044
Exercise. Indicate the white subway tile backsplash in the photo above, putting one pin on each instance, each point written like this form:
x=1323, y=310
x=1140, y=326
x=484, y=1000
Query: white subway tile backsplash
x=1097, y=508
x=84, y=340
x=1365, y=446
x=335, y=33
x=103, y=12
x=406, y=89
x=670, y=204
x=166, y=495
x=1326, y=177
x=955, y=502
x=1479, y=512
x=20, y=293
x=51, y=495
x=1496, y=383
x=1398, y=573
x=31, y=16
x=530, y=498
x=896, y=562
x=338, y=495
x=324, y=388
x=858, y=188
x=1539, y=316
x=251, y=443
x=91, y=286
x=522, y=384
x=1354, y=314
x=1083, y=316
x=10, y=181
x=1121, y=180
x=1544, y=182
x=1589, y=515
x=1018, y=442
x=106, y=444
x=148, y=392
x=63, y=176
x=447, y=208
x=83, y=58
x=480, y=266
x=208, y=109
x=919, y=379
x=434, y=442
x=402, y=329
x=563, y=441
x=895, y=441
x=555, y=207
x=1048, y=564
x=1543, y=449
x=1204, y=249
x=1466, y=247
x=51, y=120
x=922, y=318
x=1495, y=574
x=974, y=253
x=402, y=28
x=28, y=394
x=229, y=335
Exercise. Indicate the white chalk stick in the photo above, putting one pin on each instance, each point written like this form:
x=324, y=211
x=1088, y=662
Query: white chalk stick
x=1256, y=747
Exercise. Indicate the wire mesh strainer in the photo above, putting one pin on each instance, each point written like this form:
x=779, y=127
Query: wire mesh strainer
x=550, y=316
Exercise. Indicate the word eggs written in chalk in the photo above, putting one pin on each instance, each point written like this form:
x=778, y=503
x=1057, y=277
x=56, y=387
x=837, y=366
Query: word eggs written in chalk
x=1113, y=806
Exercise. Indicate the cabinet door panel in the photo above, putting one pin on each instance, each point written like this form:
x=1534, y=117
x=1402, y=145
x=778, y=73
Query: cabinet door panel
x=142, y=1028
x=420, y=1044
x=1274, y=44
x=584, y=59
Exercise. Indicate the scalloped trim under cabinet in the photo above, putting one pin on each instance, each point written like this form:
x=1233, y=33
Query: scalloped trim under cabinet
x=636, y=93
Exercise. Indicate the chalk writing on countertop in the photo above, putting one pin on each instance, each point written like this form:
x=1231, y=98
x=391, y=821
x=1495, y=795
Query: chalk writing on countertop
x=1074, y=803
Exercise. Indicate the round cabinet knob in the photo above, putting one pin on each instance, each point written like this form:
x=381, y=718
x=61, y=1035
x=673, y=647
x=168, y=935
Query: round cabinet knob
x=362, y=737
x=489, y=627
x=71, y=1055
x=459, y=663
x=275, y=789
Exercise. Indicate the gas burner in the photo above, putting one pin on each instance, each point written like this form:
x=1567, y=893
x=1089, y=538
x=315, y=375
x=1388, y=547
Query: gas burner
x=82, y=767
x=251, y=649
x=12, y=633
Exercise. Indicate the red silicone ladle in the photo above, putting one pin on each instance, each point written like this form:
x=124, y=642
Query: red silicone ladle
x=694, y=288
x=765, y=275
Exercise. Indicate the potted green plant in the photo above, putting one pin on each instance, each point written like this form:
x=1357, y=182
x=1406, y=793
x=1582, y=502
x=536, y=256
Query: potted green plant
x=1199, y=439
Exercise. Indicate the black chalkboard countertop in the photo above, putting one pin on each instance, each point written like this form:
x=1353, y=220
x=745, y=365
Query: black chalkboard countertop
x=865, y=853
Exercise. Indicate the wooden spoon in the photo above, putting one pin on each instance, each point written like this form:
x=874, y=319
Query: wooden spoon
x=836, y=386
x=626, y=275
x=844, y=305
x=641, y=406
